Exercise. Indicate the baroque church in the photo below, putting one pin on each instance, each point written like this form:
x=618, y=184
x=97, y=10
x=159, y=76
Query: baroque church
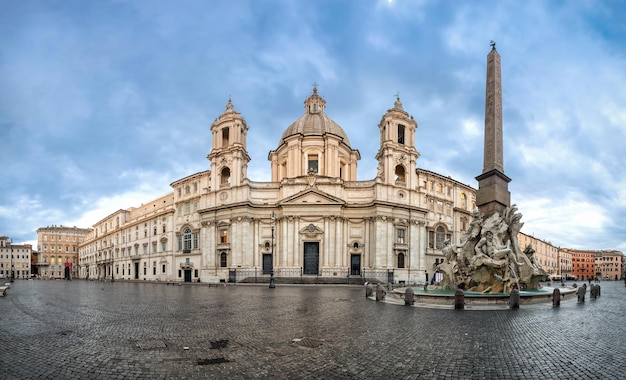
x=314, y=222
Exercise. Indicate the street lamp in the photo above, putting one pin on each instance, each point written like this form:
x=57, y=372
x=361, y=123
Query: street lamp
x=112, y=251
x=272, y=285
x=11, y=261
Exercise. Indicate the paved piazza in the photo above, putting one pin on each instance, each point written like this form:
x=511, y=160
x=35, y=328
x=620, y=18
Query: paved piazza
x=122, y=330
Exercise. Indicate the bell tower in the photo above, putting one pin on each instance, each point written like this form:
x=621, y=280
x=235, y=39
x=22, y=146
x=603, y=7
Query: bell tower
x=397, y=155
x=229, y=157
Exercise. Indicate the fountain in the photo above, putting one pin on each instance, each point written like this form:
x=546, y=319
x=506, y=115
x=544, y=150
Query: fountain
x=488, y=265
x=490, y=260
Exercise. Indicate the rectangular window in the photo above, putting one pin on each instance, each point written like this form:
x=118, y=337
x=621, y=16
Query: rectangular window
x=400, y=235
x=163, y=268
x=223, y=236
x=195, y=241
x=163, y=246
x=187, y=208
x=313, y=164
x=431, y=239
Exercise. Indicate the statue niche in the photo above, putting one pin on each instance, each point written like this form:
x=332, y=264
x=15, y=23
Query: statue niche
x=489, y=259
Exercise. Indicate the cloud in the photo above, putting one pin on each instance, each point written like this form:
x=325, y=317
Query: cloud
x=100, y=99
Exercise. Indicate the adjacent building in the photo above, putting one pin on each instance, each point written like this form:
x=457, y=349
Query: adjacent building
x=58, y=248
x=14, y=259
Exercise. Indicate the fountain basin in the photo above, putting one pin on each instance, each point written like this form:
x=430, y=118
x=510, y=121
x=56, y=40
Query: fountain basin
x=438, y=297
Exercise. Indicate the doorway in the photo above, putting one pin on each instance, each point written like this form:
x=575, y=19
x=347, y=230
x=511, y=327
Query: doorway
x=355, y=265
x=267, y=263
x=311, y=258
x=187, y=275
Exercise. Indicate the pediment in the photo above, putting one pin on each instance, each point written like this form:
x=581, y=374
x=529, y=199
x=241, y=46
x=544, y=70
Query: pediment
x=312, y=197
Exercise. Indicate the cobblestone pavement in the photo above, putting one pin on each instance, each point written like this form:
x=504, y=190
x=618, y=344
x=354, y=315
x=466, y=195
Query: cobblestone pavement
x=122, y=330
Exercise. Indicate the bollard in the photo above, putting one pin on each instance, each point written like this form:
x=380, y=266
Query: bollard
x=459, y=299
x=380, y=293
x=598, y=291
x=409, y=297
x=593, y=293
x=514, y=299
x=581, y=293
x=556, y=297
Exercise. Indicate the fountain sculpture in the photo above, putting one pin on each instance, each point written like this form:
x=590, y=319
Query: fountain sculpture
x=489, y=259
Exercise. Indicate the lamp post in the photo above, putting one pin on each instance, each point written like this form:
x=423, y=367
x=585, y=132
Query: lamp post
x=112, y=251
x=11, y=262
x=272, y=285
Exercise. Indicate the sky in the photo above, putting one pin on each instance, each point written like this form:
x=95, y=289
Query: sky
x=103, y=104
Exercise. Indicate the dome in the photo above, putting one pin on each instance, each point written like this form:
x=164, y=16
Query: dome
x=314, y=122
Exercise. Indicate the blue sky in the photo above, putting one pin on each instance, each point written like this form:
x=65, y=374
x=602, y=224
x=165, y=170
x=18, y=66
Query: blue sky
x=103, y=104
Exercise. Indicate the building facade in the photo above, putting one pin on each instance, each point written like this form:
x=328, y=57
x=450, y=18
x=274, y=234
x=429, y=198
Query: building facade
x=610, y=265
x=14, y=259
x=133, y=244
x=313, y=220
x=58, y=248
x=555, y=261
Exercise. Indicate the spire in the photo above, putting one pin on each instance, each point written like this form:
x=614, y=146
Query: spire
x=398, y=104
x=493, y=194
x=229, y=105
x=493, y=157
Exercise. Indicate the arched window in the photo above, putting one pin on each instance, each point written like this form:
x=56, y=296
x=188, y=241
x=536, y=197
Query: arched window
x=400, y=134
x=187, y=239
x=400, y=173
x=225, y=137
x=400, y=260
x=225, y=176
x=440, y=236
x=223, y=260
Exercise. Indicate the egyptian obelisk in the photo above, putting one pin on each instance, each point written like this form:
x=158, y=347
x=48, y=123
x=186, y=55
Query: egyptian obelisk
x=493, y=189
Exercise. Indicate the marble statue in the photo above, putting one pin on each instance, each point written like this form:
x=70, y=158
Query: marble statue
x=489, y=259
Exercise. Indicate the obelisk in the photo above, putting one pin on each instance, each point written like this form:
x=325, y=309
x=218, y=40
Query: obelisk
x=493, y=193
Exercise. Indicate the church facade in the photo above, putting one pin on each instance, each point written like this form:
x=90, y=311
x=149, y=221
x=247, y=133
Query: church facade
x=314, y=221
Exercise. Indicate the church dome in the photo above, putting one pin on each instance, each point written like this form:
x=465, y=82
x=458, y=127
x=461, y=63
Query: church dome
x=315, y=122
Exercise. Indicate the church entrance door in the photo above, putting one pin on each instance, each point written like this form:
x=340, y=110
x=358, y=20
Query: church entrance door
x=267, y=263
x=355, y=265
x=311, y=258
